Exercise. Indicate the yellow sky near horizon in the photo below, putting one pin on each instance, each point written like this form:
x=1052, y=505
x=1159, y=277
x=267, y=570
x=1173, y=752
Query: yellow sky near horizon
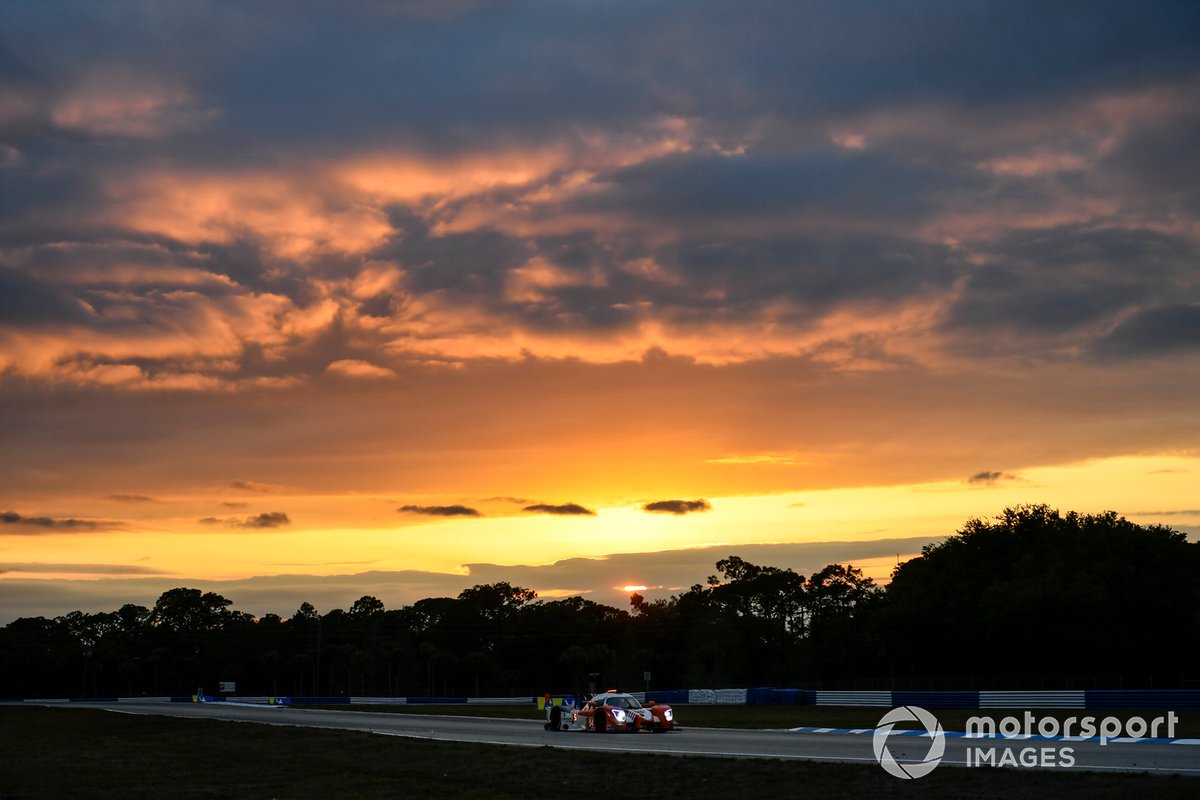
x=350, y=533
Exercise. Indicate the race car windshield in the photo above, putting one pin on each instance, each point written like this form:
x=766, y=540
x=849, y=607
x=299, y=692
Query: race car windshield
x=624, y=702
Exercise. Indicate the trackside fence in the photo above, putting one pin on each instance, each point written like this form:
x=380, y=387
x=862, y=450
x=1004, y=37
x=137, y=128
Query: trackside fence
x=1083, y=698
x=765, y=696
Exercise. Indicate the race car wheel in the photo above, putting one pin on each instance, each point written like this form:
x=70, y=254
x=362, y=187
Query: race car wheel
x=600, y=721
x=555, y=718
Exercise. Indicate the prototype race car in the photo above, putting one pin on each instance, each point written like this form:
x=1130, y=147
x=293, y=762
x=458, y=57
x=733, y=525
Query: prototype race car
x=611, y=712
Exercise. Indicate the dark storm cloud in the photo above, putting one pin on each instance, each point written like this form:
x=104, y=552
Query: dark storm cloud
x=476, y=267
x=377, y=73
x=678, y=507
x=441, y=511
x=816, y=270
x=1162, y=330
x=144, y=266
x=12, y=522
x=586, y=63
x=24, y=300
x=552, y=64
x=1062, y=280
x=473, y=263
x=698, y=187
x=566, y=509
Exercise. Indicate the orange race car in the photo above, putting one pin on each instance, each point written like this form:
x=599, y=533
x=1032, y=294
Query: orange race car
x=612, y=712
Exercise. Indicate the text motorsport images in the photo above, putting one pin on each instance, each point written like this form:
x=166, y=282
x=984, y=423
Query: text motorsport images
x=1012, y=728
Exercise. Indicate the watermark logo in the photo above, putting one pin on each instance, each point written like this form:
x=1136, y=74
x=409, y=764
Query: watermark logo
x=1013, y=731
x=933, y=729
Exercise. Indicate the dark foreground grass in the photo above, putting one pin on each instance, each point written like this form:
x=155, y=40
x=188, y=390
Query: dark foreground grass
x=699, y=716
x=73, y=752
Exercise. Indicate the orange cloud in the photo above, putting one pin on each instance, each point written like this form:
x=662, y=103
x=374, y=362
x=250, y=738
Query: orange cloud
x=300, y=211
x=116, y=104
x=433, y=326
x=120, y=263
x=355, y=368
x=527, y=283
x=200, y=335
x=294, y=216
x=411, y=178
x=500, y=188
x=1040, y=163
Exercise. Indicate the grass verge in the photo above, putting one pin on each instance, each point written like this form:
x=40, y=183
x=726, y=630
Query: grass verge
x=68, y=753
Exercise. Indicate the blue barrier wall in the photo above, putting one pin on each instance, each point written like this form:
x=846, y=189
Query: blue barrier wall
x=763, y=696
x=1133, y=698
x=936, y=699
x=93, y=700
x=669, y=696
x=435, y=700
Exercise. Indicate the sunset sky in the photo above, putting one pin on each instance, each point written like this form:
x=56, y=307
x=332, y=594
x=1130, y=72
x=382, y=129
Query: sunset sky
x=301, y=301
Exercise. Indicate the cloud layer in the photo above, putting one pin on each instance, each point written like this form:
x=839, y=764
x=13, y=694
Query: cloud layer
x=560, y=510
x=442, y=511
x=12, y=522
x=677, y=507
x=791, y=182
x=429, y=253
x=265, y=520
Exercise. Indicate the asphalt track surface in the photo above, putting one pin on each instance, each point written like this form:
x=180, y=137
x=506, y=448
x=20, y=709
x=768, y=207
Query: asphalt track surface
x=1113, y=756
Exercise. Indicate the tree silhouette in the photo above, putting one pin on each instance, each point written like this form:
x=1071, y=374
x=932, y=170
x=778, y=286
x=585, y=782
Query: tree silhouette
x=1031, y=596
x=1038, y=591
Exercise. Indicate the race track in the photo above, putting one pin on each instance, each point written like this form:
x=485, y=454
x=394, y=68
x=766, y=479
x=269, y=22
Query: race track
x=1115, y=756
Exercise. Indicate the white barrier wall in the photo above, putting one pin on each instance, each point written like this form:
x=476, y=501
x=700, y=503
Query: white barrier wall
x=882, y=699
x=1063, y=699
x=717, y=696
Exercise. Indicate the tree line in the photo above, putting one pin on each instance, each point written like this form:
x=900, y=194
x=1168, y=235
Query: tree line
x=1030, y=596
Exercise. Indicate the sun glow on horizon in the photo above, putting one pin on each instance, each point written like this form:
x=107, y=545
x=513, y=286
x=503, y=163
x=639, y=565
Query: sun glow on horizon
x=331, y=535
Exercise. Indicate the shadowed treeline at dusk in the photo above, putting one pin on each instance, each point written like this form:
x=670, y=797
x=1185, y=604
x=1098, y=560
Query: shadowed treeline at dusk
x=1034, y=598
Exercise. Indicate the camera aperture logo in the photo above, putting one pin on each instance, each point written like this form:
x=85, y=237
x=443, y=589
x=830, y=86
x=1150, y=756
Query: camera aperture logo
x=933, y=728
x=1013, y=732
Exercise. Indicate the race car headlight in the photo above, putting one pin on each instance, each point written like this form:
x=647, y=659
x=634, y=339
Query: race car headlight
x=668, y=715
x=618, y=715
